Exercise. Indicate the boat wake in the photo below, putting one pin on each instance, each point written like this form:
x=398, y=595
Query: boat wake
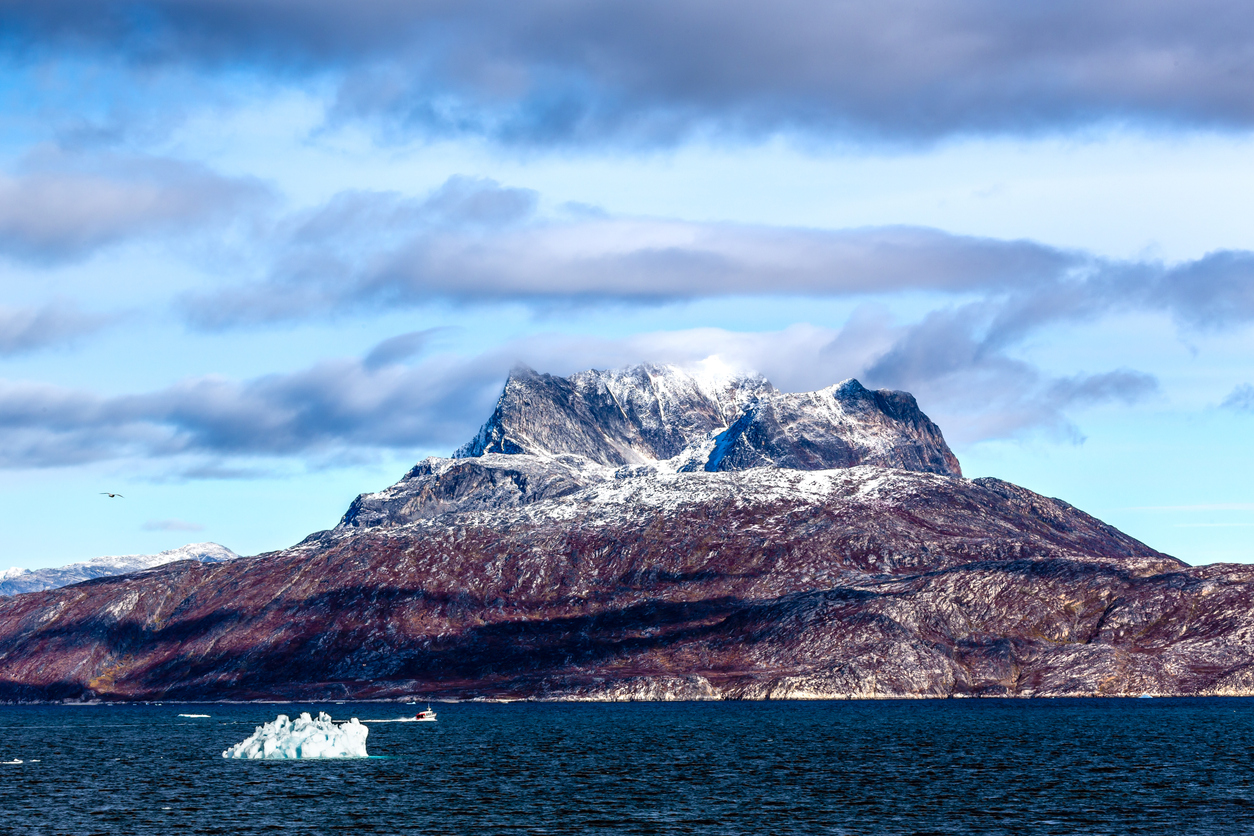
x=423, y=716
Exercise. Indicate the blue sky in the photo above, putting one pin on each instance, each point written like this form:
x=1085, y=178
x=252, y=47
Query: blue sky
x=260, y=257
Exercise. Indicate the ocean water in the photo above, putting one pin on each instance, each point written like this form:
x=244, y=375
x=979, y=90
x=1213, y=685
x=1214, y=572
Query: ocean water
x=910, y=767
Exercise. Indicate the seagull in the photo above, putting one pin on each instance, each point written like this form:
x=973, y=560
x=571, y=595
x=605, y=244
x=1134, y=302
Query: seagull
x=112, y=495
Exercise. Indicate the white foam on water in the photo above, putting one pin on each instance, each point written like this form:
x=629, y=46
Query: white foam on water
x=193, y=715
x=284, y=739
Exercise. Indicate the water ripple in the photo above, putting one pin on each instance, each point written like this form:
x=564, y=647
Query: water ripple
x=882, y=768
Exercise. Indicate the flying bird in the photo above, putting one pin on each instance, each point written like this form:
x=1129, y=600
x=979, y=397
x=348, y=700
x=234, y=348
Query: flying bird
x=112, y=495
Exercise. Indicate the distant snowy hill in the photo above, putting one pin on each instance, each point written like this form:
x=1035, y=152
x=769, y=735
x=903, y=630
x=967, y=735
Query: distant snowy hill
x=16, y=581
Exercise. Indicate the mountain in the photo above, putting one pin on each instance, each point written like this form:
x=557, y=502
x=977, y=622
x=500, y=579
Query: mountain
x=652, y=534
x=664, y=417
x=550, y=437
x=17, y=581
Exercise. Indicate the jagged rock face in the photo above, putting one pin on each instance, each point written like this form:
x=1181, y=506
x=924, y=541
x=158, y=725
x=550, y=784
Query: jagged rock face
x=491, y=481
x=550, y=436
x=625, y=417
x=843, y=426
x=648, y=414
x=757, y=584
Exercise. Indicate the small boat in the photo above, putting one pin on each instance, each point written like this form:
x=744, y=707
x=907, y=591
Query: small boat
x=427, y=716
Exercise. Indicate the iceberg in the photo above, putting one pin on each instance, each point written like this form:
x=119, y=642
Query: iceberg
x=305, y=738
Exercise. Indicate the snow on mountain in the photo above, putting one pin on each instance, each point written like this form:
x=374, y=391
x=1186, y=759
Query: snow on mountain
x=649, y=533
x=841, y=426
x=632, y=416
x=663, y=415
x=16, y=581
x=761, y=583
x=549, y=437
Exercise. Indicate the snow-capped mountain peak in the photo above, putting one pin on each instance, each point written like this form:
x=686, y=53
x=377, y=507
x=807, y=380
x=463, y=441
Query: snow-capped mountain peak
x=631, y=416
x=550, y=436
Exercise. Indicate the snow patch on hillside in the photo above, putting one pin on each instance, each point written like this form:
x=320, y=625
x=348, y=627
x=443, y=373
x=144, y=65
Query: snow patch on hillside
x=667, y=494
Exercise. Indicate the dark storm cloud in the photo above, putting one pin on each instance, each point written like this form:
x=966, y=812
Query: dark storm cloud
x=60, y=207
x=648, y=71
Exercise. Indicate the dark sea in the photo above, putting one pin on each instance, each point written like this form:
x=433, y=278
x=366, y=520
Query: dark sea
x=901, y=767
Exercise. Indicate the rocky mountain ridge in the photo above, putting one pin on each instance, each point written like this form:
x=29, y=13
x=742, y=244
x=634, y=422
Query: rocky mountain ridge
x=670, y=419
x=567, y=559
x=549, y=437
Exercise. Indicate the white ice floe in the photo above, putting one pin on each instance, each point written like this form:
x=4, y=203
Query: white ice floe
x=305, y=738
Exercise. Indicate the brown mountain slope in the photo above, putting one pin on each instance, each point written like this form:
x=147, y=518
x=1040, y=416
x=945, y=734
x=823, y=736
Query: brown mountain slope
x=772, y=583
